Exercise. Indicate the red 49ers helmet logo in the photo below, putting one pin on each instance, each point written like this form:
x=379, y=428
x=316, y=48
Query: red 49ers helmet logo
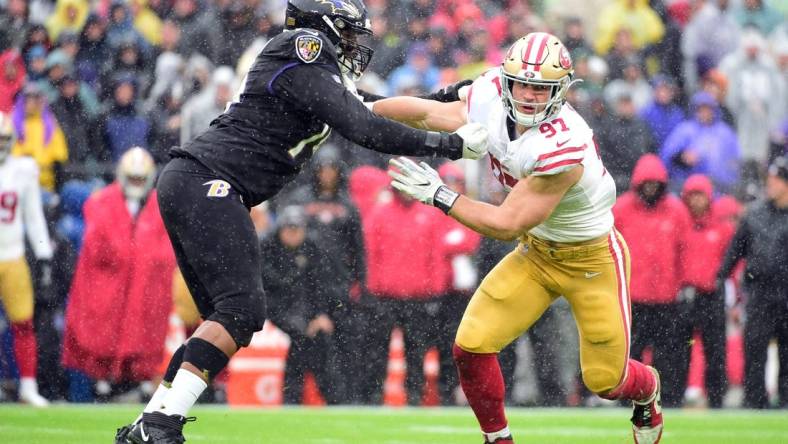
x=563, y=58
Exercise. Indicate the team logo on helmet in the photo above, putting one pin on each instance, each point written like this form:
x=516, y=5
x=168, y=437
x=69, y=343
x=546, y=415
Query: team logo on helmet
x=308, y=48
x=564, y=59
x=339, y=5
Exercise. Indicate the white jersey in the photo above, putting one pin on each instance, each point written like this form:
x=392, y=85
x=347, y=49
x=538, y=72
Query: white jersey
x=551, y=147
x=21, y=210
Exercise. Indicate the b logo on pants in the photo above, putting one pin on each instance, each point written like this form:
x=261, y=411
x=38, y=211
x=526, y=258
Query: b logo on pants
x=219, y=188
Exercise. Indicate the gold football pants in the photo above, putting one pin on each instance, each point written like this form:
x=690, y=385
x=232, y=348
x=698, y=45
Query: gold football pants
x=593, y=278
x=16, y=290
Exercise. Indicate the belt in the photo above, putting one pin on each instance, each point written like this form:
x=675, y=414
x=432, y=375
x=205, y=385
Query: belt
x=562, y=251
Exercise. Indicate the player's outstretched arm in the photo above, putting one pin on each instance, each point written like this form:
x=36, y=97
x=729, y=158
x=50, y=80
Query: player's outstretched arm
x=423, y=113
x=328, y=100
x=529, y=203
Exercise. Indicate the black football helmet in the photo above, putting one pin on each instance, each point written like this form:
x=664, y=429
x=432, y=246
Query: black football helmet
x=344, y=22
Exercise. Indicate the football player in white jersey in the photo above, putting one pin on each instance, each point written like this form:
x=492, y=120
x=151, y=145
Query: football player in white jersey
x=559, y=207
x=21, y=212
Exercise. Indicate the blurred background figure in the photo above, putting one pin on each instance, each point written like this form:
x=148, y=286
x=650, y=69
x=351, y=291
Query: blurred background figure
x=120, y=299
x=756, y=94
x=760, y=240
x=702, y=304
x=301, y=302
x=401, y=291
x=21, y=212
x=334, y=223
x=39, y=136
x=655, y=224
x=702, y=144
x=202, y=108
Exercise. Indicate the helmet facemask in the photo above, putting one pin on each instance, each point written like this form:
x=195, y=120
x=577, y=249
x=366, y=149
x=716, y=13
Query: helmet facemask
x=544, y=110
x=353, y=55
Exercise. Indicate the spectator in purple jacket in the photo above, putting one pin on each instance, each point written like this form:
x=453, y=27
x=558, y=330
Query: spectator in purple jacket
x=662, y=115
x=703, y=144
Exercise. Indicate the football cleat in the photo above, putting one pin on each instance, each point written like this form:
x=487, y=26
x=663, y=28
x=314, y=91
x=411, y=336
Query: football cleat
x=122, y=434
x=504, y=440
x=158, y=428
x=647, y=418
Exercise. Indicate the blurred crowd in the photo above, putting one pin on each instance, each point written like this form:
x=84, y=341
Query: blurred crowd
x=688, y=100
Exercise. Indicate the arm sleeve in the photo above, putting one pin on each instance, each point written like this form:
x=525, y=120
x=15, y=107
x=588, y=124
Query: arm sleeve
x=369, y=97
x=737, y=250
x=35, y=223
x=313, y=89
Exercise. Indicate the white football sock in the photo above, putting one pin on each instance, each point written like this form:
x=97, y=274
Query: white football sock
x=503, y=433
x=157, y=399
x=183, y=393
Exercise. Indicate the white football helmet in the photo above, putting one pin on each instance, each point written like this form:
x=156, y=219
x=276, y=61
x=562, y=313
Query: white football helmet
x=136, y=173
x=7, y=136
x=541, y=59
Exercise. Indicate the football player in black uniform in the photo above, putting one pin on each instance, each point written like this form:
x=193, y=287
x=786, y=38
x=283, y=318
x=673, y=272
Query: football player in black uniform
x=298, y=89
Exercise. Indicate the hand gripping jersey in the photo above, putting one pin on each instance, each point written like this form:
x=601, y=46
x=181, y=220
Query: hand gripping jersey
x=21, y=210
x=551, y=147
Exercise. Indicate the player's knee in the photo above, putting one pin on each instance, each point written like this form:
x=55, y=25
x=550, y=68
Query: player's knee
x=205, y=356
x=469, y=337
x=600, y=380
x=473, y=339
x=241, y=319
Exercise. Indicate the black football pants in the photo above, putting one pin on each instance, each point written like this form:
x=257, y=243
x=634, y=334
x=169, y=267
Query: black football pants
x=215, y=245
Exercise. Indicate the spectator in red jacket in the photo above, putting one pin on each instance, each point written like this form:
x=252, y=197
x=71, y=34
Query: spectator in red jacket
x=459, y=275
x=702, y=305
x=655, y=224
x=402, y=290
x=121, y=295
x=367, y=184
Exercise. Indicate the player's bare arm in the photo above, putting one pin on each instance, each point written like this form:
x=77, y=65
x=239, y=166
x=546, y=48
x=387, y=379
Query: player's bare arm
x=423, y=113
x=529, y=204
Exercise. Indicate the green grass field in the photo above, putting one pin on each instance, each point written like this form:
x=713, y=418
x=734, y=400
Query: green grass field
x=97, y=424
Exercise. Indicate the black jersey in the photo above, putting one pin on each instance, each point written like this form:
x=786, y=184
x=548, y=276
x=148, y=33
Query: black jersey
x=291, y=98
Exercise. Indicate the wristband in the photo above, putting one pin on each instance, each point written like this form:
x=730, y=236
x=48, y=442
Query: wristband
x=444, y=199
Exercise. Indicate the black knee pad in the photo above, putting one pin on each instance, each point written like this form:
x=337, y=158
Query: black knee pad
x=205, y=356
x=241, y=326
x=174, y=365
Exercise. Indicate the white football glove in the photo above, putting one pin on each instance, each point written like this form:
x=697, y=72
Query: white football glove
x=421, y=182
x=463, y=93
x=474, y=138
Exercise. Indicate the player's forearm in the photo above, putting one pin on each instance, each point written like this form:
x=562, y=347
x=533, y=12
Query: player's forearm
x=420, y=113
x=491, y=220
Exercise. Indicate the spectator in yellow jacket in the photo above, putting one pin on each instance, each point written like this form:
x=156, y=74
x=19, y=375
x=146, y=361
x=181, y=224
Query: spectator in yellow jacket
x=38, y=135
x=69, y=15
x=644, y=23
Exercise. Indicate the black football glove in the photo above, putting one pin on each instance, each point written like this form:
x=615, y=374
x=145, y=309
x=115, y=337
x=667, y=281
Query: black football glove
x=450, y=93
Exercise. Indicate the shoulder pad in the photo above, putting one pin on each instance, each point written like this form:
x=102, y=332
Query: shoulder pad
x=484, y=93
x=303, y=45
